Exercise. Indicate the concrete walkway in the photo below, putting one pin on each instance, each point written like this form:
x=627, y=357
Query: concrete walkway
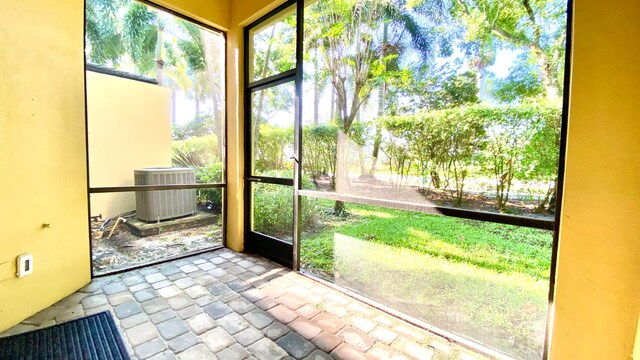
x=227, y=305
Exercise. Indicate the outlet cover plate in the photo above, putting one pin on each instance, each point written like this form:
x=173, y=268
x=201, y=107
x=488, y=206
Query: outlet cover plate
x=25, y=265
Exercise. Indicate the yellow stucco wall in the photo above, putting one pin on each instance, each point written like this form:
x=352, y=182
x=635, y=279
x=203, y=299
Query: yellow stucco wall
x=598, y=279
x=243, y=12
x=42, y=154
x=129, y=125
x=43, y=176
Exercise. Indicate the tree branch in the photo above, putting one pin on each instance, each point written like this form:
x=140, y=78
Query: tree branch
x=507, y=36
x=537, y=32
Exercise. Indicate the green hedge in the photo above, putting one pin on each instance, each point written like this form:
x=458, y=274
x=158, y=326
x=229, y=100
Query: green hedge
x=211, y=199
x=273, y=209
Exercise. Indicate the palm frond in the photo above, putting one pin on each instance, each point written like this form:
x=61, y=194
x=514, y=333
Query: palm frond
x=185, y=158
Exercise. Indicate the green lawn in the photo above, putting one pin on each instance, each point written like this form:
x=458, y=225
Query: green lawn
x=484, y=281
x=503, y=248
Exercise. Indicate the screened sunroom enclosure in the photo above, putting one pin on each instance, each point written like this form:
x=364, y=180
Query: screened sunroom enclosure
x=408, y=155
x=156, y=124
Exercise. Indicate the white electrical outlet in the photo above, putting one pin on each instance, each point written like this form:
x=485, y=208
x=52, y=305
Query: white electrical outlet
x=25, y=265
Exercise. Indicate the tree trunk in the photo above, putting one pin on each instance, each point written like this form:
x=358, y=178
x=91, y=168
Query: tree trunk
x=211, y=53
x=377, y=140
x=482, y=79
x=460, y=176
x=363, y=168
x=173, y=107
x=549, y=200
x=545, y=71
x=332, y=111
x=258, y=109
x=342, y=172
x=542, y=205
x=541, y=57
x=160, y=56
x=339, y=209
x=381, y=105
x=316, y=90
x=504, y=186
x=435, y=179
x=552, y=202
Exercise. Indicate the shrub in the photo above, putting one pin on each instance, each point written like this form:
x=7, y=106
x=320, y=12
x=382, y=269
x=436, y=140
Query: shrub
x=443, y=143
x=202, y=154
x=274, y=144
x=273, y=209
x=523, y=143
x=210, y=199
x=513, y=142
x=196, y=151
x=200, y=126
x=320, y=151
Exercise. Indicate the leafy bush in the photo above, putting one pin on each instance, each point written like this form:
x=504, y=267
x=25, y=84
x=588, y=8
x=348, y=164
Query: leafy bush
x=520, y=144
x=270, y=152
x=320, y=150
x=196, y=151
x=210, y=199
x=442, y=142
x=396, y=148
x=540, y=157
x=273, y=209
x=200, y=126
x=202, y=154
x=191, y=159
x=512, y=142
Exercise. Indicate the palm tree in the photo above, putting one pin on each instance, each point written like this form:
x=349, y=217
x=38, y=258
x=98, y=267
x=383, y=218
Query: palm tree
x=143, y=35
x=400, y=20
x=140, y=34
x=178, y=79
x=104, y=40
x=201, y=50
x=188, y=64
x=358, y=61
x=272, y=49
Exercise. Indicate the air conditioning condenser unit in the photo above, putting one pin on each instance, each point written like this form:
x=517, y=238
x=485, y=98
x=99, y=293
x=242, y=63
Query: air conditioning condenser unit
x=165, y=204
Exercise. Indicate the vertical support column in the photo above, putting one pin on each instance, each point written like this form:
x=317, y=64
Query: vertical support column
x=297, y=176
x=235, y=198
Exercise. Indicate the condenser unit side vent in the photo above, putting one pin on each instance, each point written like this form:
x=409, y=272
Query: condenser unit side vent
x=165, y=204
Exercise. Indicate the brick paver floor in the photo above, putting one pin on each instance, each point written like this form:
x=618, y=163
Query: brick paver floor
x=228, y=305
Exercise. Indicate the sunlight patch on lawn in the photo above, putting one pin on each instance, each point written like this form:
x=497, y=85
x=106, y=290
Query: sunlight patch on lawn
x=434, y=242
x=372, y=213
x=489, y=306
x=348, y=249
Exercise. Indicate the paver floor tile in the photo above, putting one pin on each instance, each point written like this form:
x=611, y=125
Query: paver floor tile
x=226, y=305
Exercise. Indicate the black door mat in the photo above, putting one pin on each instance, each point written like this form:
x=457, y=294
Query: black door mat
x=92, y=337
